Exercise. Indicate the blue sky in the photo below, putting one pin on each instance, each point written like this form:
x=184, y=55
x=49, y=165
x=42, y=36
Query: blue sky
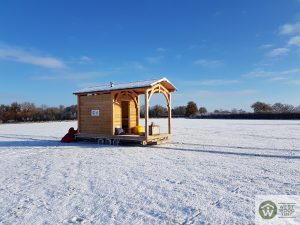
x=221, y=54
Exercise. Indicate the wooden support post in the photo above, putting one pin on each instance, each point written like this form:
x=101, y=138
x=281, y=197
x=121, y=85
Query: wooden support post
x=146, y=114
x=112, y=97
x=169, y=113
x=138, y=111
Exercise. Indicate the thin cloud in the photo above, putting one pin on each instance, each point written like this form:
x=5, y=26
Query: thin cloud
x=278, y=79
x=155, y=59
x=289, y=29
x=266, y=46
x=297, y=82
x=278, y=52
x=208, y=63
x=215, y=94
x=178, y=56
x=294, y=41
x=285, y=77
x=85, y=59
x=260, y=73
x=161, y=49
x=72, y=76
x=211, y=82
x=137, y=65
x=197, y=46
x=6, y=95
x=21, y=55
x=91, y=84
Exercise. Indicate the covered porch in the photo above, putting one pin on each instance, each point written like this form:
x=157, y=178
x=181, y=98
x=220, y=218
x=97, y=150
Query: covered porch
x=147, y=93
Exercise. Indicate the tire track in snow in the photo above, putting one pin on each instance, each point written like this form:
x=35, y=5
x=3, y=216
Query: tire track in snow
x=221, y=189
x=216, y=150
x=236, y=147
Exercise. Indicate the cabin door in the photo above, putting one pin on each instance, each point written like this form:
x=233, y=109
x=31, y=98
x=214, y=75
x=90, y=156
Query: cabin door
x=125, y=115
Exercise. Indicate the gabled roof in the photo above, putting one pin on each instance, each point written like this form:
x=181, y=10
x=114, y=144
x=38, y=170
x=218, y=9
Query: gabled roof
x=131, y=85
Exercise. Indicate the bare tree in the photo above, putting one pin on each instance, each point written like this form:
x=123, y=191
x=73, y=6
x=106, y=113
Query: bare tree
x=261, y=107
x=297, y=109
x=28, y=110
x=191, y=109
x=179, y=111
x=234, y=111
x=202, y=110
x=158, y=111
x=287, y=108
x=15, y=111
x=241, y=111
x=282, y=108
x=5, y=113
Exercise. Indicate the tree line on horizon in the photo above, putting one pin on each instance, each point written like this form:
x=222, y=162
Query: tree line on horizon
x=23, y=112
x=27, y=111
x=258, y=107
x=192, y=110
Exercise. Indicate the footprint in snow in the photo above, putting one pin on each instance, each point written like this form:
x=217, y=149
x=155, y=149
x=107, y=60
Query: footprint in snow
x=218, y=203
x=76, y=220
x=174, y=181
x=236, y=190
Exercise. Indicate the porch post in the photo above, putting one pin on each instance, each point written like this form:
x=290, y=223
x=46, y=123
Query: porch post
x=146, y=114
x=112, y=96
x=138, y=111
x=169, y=113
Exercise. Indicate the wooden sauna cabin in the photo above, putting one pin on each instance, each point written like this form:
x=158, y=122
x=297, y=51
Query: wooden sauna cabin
x=105, y=110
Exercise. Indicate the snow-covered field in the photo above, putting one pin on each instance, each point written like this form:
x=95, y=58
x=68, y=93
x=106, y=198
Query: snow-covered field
x=209, y=174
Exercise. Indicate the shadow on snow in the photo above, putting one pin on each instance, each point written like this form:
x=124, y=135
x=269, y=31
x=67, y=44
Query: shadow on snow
x=25, y=141
x=230, y=153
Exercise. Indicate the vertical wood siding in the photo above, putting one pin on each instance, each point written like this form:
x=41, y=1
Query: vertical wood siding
x=94, y=124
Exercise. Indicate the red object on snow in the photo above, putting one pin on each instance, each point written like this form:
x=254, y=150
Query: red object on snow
x=70, y=136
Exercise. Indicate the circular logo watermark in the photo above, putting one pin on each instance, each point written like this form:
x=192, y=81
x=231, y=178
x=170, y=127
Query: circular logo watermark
x=267, y=210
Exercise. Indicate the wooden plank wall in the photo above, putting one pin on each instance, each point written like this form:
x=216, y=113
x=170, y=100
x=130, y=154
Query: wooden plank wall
x=133, y=120
x=95, y=125
x=133, y=112
x=117, y=115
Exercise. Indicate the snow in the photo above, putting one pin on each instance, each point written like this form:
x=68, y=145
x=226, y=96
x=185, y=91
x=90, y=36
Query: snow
x=120, y=86
x=210, y=173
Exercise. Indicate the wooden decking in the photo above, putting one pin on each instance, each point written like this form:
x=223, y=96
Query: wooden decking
x=116, y=139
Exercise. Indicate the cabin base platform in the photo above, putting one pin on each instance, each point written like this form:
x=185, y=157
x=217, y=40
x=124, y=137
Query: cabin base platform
x=126, y=139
